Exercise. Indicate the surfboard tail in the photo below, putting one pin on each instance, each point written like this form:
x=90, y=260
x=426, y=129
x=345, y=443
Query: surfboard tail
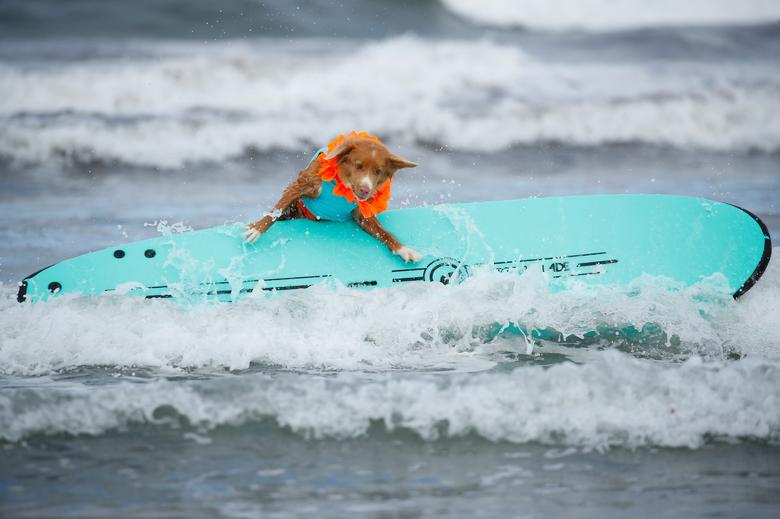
x=21, y=294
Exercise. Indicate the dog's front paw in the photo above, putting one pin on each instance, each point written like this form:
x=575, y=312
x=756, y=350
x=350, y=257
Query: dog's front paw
x=251, y=234
x=408, y=254
x=255, y=230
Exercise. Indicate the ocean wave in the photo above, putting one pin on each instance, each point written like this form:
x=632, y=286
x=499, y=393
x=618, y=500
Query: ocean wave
x=428, y=326
x=612, y=401
x=188, y=104
x=614, y=14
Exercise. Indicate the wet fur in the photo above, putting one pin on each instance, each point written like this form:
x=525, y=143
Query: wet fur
x=364, y=166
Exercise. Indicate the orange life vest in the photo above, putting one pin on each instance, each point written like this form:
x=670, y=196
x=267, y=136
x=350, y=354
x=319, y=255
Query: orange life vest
x=324, y=207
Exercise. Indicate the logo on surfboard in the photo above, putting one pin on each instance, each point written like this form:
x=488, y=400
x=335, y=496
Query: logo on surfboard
x=446, y=271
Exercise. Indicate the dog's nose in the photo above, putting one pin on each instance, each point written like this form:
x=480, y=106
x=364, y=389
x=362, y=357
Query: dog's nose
x=363, y=191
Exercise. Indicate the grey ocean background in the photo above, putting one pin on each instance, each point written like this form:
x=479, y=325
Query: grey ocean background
x=123, y=120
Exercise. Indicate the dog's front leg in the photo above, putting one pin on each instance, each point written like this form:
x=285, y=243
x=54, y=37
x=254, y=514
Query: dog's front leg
x=372, y=226
x=307, y=184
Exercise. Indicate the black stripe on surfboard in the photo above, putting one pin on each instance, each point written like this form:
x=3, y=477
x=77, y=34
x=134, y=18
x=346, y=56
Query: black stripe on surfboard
x=271, y=279
x=403, y=280
x=246, y=290
x=298, y=277
x=266, y=289
x=288, y=287
x=157, y=287
x=579, y=274
x=356, y=284
x=226, y=282
x=594, y=263
x=243, y=291
x=550, y=258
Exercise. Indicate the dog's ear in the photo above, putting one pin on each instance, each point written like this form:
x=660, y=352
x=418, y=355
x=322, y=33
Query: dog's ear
x=397, y=162
x=343, y=149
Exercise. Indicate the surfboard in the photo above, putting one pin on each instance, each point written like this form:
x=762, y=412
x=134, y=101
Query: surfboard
x=606, y=240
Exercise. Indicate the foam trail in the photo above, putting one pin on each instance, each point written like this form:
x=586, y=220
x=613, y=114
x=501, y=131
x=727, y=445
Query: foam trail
x=612, y=401
x=599, y=15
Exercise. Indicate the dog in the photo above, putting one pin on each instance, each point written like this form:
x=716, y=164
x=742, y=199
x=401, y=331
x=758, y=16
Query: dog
x=350, y=179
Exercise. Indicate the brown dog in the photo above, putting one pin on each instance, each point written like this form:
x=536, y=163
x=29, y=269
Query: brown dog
x=350, y=179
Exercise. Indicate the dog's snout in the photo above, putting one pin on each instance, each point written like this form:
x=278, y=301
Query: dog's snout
x=363, y=189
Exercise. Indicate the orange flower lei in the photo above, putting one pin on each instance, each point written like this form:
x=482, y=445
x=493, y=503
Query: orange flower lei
x=329, y=171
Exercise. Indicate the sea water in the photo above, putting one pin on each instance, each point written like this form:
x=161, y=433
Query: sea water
x=123, y=121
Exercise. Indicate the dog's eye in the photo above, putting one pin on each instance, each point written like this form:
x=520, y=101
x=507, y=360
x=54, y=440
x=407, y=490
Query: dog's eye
x=378, y=171
x=358, y=166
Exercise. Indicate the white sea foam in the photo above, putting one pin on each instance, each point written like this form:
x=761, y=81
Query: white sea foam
x=190, y=104
x=613, y=400
x=385, y=343
x=614, y=14
x=427, y=326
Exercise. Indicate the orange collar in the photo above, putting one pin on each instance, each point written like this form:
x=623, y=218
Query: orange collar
x=329, y=171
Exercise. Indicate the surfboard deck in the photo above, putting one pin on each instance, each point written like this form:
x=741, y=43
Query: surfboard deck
x=603, y=239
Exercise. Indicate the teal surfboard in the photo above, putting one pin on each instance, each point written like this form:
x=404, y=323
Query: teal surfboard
x=608, y=240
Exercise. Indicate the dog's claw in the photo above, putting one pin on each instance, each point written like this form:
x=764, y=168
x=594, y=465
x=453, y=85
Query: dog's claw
x=408, y=254
x=250, y=235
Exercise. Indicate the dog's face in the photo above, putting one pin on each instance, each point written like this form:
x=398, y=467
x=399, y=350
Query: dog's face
x=365, y=165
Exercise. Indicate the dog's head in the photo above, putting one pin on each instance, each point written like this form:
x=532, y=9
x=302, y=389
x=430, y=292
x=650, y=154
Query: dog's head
x=365, y=165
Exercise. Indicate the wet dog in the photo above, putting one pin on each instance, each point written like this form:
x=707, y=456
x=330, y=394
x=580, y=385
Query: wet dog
x=349, y=179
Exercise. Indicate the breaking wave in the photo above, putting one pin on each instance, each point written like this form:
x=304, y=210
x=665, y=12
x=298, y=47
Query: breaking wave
x=176, y=104
x=614, y=14
x=428, y=326
x=612, y=401
x=424, y=359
